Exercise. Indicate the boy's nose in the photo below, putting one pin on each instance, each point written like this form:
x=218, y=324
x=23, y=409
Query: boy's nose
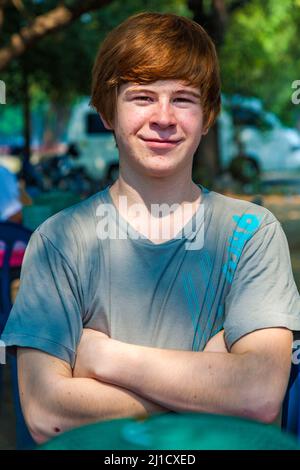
x=163, y=115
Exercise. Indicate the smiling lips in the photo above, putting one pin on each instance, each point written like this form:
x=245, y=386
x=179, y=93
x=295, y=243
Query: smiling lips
x=159, y=143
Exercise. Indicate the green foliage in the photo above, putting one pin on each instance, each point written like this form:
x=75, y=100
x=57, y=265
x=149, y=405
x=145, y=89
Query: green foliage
x=261, y=54
x=11, y=118
x=59, y=66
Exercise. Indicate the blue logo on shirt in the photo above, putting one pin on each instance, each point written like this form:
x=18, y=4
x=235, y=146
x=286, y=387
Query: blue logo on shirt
x=247, y=224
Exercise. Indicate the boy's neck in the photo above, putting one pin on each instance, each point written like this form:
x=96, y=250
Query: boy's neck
x=180, y=204
x=156, y=192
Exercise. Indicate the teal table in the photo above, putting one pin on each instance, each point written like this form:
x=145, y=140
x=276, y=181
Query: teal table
x=175, y=431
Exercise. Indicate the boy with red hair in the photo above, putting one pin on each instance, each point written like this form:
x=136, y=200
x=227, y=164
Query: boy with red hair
x=155, y=294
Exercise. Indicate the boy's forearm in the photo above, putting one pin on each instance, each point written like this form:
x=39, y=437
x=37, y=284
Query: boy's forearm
x=74, y=402
x=175, y=379
x=223, y=383
x=178, y=380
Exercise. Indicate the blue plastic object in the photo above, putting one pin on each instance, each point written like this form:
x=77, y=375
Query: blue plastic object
x=291, y=404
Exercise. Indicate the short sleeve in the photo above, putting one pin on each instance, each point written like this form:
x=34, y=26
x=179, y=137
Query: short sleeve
x=263, y=293
x=47, y=313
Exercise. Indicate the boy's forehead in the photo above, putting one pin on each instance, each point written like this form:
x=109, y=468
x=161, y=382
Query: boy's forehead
x=171, y=86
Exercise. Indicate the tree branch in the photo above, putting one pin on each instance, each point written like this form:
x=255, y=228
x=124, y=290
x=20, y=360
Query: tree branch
x=45, y=24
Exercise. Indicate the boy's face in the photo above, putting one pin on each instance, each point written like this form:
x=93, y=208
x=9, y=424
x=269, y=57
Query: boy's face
x=158, y=127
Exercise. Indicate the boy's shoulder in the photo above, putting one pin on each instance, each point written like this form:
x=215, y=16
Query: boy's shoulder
x=233, y=213
x=73, y=225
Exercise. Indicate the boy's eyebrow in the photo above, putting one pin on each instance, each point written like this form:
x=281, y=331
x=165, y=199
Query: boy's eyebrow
x=148, y=90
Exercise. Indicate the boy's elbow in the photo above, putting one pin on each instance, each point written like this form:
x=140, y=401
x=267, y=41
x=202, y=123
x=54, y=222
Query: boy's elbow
x=37, y=437
x=40, y=424
x=35, y=429
x=41, y=380
x=264, y=409
x=264, y=394
x=266, y=414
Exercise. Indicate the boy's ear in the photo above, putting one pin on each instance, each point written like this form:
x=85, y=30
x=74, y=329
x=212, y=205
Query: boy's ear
x=106, y=125
x=208, y=123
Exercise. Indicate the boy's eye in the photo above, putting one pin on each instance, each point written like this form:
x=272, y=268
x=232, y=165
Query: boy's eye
x=143, y=98
x=147, y=98
x=184, y=99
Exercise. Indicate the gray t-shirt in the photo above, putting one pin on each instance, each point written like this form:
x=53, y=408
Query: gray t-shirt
x=228, y=268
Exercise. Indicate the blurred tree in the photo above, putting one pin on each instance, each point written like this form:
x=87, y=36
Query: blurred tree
x=259, y=51
x=37, y=19
x=57, y=67
x=257, y=43
x=23, y=24
x=214, y=16
x=261, y=54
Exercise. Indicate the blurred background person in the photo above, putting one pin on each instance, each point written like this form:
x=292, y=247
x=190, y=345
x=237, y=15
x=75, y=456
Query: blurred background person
x=10, y=203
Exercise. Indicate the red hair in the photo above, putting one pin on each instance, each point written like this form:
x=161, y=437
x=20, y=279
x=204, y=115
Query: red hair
x=147, y=47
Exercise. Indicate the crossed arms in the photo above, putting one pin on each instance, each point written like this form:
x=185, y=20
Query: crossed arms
x=112, y=379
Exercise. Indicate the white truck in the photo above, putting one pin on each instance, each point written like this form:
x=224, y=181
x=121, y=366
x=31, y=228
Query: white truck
x=96, y=147
x=244, y=122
